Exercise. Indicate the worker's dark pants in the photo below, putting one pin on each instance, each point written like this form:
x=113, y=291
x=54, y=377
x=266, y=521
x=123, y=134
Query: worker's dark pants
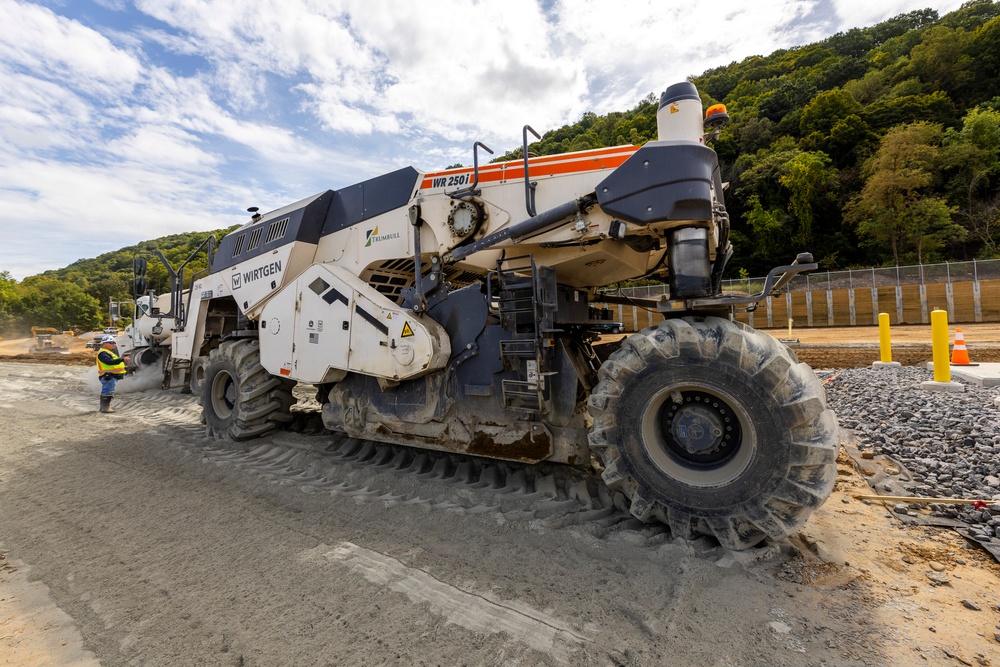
x=108, y=384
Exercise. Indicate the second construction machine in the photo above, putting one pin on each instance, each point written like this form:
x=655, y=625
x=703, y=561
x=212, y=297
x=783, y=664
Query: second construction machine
x=453, y=311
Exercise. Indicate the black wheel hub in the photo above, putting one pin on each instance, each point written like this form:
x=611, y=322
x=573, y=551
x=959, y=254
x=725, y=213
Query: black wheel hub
x=697, y=429
x=700, y=430
x=230, y=394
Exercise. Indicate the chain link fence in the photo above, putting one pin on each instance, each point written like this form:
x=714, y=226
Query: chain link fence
x=970, y=291
x=919, y=274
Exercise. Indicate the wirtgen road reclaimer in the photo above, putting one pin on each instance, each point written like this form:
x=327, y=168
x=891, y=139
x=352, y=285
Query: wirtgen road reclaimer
x=453, y=311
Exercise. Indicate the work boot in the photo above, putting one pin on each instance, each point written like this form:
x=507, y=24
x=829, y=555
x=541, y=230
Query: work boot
x=106, y=404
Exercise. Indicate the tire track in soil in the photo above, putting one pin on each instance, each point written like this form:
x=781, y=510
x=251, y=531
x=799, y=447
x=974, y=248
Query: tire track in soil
x=547, y=496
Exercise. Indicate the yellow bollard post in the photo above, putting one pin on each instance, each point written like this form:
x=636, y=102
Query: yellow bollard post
x=884, y=340
x=884, y=344
x=939, y=346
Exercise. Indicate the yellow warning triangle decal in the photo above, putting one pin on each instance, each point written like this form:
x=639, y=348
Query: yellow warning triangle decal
x=407, y=331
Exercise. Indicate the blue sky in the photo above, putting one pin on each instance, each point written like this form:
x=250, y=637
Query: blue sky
x=125, y=120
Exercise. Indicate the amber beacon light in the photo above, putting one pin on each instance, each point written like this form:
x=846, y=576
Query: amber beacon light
x=716, y=116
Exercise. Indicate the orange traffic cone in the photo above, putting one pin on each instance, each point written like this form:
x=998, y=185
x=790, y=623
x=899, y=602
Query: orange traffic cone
x=960, y=355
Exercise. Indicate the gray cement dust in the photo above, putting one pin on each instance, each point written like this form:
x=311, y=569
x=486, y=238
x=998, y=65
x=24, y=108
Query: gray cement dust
x=148, y=377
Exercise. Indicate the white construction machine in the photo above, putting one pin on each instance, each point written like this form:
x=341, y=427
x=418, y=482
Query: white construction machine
x=453, y=311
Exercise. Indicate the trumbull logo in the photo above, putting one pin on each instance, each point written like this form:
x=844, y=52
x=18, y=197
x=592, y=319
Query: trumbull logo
x=374, y=237
x=254, y=274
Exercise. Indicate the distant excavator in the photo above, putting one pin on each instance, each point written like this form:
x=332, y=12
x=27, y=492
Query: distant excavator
x=43, y=340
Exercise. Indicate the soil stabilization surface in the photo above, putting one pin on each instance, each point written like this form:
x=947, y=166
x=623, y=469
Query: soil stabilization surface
x=132, y=539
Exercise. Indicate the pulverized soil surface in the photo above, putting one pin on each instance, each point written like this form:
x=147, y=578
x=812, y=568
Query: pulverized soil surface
x=133, y=539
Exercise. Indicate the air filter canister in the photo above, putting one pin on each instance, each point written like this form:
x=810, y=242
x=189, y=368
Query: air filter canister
x=679, y=117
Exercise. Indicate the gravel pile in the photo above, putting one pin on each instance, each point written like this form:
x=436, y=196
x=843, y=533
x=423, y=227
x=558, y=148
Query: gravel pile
x=949, y=442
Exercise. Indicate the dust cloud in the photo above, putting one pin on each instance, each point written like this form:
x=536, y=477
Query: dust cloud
x=147, y=377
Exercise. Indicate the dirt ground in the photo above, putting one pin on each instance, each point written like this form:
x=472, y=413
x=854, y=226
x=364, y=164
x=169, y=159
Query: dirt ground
x=132, y=539
x=856, y=347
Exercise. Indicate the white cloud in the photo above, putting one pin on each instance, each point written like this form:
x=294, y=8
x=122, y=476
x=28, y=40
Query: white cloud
x=99, y=210
x=164, y=149
x=36, y=38
x=38, y=114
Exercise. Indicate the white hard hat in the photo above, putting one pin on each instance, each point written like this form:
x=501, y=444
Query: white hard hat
x=107, y=339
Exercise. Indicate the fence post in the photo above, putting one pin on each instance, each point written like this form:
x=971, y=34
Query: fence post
x=924, y=316
x=770, y=315
x=977, y=301
x=809, y=303
x=850, y=297
x=874, y=299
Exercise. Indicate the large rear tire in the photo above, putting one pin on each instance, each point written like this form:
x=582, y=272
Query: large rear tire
x=714, y=428
x=240, y=399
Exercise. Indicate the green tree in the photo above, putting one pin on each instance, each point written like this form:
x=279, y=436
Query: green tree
x=896, y=209
x=52, y=303
x=942, y=62
x=769, y=230
x=823, y=112
x=807, y=176
x=985, y=53
x=972, y=14
x=972, y=155
x=9, y=302
x=890, y=110
x=831, y=123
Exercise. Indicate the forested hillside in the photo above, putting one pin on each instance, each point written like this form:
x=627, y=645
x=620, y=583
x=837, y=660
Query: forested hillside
x=78, y=295
x=875, y=146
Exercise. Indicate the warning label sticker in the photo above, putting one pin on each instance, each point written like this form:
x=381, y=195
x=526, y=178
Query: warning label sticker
x=407, y=331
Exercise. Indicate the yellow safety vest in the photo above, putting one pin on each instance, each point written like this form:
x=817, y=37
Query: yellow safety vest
x=113, y=369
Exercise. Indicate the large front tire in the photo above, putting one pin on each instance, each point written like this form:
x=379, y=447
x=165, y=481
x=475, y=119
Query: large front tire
x=714, y=428
x=240, y=399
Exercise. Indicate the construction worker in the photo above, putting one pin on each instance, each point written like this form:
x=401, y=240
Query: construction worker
x=110, y=369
